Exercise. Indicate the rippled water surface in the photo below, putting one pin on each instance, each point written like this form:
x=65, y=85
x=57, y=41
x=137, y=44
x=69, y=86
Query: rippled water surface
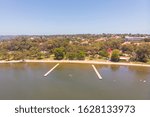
x=73, y=81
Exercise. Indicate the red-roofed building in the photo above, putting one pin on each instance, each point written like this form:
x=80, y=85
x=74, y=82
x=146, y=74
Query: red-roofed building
x=109, y=50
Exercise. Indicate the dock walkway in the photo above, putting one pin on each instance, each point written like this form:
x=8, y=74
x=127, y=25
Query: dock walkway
x=98, y=74
x=51, y=70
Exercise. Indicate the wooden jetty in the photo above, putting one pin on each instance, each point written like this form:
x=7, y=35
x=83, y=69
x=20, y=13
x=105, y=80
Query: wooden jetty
x=98, y=74
x=51, y=70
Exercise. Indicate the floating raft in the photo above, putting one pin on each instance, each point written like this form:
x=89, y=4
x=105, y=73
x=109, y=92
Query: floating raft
x=51, y=70
x=98, y=74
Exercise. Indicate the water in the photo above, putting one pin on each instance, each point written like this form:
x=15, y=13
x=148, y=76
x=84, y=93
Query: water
x=73, y=81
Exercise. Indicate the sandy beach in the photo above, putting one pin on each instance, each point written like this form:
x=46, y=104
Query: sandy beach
x=77, y=61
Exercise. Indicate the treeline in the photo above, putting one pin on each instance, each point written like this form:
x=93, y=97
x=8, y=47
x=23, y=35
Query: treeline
x=73, y=48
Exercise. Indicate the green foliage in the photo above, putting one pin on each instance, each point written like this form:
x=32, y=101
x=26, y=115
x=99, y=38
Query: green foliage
x=115, y=55
x=80, y=55
x=72, y=47
x=103, y=53
x=128, y=48
x=71, y=55
x=143, y=53
x=18, y=55
x=114, y=43
x=59, y=53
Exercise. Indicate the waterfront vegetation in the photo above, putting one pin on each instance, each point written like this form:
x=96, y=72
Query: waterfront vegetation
x=75, y=47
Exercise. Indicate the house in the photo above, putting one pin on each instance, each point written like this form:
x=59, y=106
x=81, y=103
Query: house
x=124, y=58
x=127, y=38
x=109, y=50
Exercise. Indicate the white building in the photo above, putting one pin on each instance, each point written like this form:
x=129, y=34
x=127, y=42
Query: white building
x=127, y=38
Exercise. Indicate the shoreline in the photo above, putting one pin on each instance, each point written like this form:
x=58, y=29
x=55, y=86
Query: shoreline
x=76, y=61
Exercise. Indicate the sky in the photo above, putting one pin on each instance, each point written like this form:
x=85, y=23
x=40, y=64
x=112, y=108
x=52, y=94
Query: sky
x=48, y=17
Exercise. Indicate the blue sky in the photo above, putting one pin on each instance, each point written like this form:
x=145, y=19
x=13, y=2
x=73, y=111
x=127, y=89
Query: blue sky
x=19, y=17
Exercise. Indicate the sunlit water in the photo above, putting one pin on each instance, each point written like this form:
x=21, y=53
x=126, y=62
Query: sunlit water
x=73, y=81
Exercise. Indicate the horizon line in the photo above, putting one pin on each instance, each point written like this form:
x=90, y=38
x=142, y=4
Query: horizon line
x=74, y=34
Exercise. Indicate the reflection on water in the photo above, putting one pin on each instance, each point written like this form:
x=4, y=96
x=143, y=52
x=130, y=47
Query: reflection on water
x=114, y=67
x=73, y=81
x=141, y=72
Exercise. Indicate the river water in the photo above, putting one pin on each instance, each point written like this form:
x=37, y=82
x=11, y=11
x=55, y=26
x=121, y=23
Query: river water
x=73, y=81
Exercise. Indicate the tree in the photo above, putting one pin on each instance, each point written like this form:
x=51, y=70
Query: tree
x=115, y=55
x=129, y=48
x=71, y=55
x=34, y=52
x=59, y=53
x=147, y=39
x=39, y=55
x=4, y=55
x=80, y=55
x=17, y=55
x=114, y=43
x=103, y=53
x=143, y=53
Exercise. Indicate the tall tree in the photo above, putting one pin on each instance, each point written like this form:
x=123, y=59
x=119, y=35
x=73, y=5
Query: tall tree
x=81, y=55
x=59, y=53
x=143, y=52
x=115, y=55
